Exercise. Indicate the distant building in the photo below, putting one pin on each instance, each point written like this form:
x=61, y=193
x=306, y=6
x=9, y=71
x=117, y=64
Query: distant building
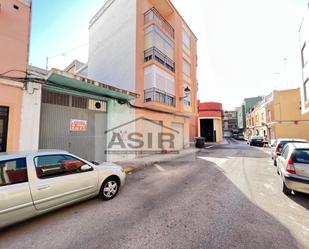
x=304, y=42
x=279, y=115
x=78, y=68
x=246, y=106
x=146, y=47
x=209, y=121
x=15, y=18
x=230, y=121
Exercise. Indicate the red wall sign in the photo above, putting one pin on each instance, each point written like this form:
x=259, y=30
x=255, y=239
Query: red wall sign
x=78, y=125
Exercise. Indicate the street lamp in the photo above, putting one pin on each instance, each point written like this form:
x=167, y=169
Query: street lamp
x=187, y=91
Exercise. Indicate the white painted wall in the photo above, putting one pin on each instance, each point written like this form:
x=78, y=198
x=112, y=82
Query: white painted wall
x=30, y=118
x=112, y=45
x=119, y=115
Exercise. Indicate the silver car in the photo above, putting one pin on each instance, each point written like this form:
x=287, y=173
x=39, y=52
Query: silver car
x=278, y=145
x=293, y=167
x=35, y=183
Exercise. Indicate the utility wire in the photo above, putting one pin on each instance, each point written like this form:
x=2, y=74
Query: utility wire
x=120, y=100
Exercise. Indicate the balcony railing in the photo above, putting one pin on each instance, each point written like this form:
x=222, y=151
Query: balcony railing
x=155, y=54
x=157, y=95
x=153, y=14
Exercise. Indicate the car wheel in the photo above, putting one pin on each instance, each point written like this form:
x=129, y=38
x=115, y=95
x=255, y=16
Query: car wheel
x=109, y=188
x=286, y=190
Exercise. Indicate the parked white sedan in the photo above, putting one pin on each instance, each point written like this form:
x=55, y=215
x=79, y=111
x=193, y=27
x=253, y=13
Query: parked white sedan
x=293, y=167
x=34, y=183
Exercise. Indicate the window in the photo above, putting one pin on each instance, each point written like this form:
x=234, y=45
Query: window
x=285, y=152
x=186, y=68
x=306, y=89
x=55, y=98
x=79, y=102
x=59, y=165
x=13, y=171
x=301, y=156
x=155, y=38
x=186, y=39
x=304, y=56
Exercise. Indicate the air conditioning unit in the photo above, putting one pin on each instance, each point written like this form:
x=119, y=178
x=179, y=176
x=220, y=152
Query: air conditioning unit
x=96, y=105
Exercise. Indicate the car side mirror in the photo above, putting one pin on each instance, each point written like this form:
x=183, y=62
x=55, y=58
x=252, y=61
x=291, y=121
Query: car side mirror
x=278, y=154
x=85, y=167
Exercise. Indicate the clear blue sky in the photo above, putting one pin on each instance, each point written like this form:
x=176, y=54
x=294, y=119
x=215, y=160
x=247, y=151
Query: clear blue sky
x=58, y=26
x=241, y=43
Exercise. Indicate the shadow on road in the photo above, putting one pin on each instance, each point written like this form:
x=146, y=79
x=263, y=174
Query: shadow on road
x=301, y=199
x=179, y=207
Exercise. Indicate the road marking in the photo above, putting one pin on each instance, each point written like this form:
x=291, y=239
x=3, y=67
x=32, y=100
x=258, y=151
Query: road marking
x=208, y=147
x=159, y=167
x=215, y=160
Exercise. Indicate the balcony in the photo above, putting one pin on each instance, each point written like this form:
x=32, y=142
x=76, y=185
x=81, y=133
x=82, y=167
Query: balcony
x=155, y=54
x=157, y=95
x=153, y=14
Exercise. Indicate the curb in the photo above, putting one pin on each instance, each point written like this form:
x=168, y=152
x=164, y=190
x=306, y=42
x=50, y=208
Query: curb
x=133, y=166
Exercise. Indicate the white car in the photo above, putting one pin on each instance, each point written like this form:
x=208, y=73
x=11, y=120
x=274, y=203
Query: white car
x=293, y=167
x=35, y=183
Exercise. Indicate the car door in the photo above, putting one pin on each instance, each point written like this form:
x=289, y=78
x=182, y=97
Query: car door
x=15, y=198
x=61, y=179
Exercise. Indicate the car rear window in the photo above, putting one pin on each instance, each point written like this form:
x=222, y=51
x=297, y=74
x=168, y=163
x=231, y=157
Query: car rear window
x=301, y=156
x=283, y=143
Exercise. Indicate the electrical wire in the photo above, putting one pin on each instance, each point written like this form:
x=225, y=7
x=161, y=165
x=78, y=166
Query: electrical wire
x=13, y=70
x=42, y=81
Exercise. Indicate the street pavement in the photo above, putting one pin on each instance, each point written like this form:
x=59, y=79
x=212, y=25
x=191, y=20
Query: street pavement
x=227, y=196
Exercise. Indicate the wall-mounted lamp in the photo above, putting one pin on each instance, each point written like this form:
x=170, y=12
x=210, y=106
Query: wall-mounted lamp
x=187, y=91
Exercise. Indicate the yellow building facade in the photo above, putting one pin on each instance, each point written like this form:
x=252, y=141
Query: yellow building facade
x=279, y=115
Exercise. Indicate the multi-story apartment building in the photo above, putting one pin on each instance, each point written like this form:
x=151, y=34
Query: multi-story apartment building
x=145, y=46
x=230, y=121
x=14, y=49
x=304, y=42
x=279, y=115
x=246, y=106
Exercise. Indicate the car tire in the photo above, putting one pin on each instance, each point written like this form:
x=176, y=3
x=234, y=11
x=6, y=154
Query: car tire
x=109, y=188
x=286, y=190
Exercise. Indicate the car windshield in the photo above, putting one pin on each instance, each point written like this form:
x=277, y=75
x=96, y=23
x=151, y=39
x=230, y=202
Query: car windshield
x=301, y=156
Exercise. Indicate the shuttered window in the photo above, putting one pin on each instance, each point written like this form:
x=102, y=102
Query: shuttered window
x=186, y=68
x=55, y=98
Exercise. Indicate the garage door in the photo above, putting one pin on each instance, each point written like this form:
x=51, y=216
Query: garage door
x=70, y=123
x=179, y=138
x=151, y=130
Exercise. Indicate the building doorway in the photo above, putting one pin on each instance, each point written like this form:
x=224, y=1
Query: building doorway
x=207, y=130
x=4, y=120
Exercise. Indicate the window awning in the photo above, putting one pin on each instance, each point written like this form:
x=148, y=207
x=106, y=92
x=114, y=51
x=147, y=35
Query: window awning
x=64, y=82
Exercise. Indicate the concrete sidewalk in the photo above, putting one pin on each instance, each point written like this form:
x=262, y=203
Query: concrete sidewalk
x=143, y=162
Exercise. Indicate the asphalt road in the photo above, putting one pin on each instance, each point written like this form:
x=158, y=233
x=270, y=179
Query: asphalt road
x=228, y=196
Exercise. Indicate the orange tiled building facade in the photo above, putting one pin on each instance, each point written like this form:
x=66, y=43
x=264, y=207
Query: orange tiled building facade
x=146, y=47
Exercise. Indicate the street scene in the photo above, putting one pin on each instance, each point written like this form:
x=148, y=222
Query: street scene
x=154, y=124
x=228, y=197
